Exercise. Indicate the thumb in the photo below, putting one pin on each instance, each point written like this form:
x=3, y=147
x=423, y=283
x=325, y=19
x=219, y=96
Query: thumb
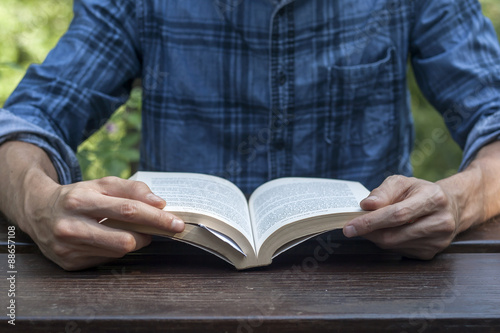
x=392, y=190
x=130, y=189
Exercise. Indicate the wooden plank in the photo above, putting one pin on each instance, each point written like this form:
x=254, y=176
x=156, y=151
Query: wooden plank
x=143, y=293
x=482, y=239
x=24, y=244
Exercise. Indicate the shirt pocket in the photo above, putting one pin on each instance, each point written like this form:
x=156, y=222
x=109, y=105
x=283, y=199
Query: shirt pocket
x=362, y=101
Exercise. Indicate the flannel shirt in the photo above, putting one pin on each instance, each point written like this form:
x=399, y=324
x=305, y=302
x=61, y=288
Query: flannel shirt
x=252, y=90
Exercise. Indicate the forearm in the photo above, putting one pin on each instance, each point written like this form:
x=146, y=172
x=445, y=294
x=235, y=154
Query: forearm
x=63, y=219
x=24, y=169
x=476, y=189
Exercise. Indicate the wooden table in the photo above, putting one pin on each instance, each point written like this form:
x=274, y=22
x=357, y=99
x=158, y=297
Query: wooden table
x=171, y=287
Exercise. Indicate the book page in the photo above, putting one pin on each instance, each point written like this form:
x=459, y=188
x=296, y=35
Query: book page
x=287, y=200
x=204, y=194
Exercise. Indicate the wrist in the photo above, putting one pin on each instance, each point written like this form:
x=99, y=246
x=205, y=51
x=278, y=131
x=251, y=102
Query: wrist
x=464, y=191
x=26, y=173
x=37, y=191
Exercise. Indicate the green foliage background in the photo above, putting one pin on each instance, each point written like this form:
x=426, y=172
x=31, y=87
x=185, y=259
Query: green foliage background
x=29, y=29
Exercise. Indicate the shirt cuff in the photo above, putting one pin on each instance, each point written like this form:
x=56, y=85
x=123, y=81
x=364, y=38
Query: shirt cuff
x=13, y=128
x=486, y=131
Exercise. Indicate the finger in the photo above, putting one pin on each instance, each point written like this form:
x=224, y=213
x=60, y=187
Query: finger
x=391, y=216
x=76, y=240
x=98, y=206
x=78, y=263
x=79, y=253
x=86, y=232
x=417, y=251
x=138, y=212
x=392, y=190
x=114, y=243
x=130, y=189
x=100, y=251
x=121, y=247
x=422, y=239
x=398, y=237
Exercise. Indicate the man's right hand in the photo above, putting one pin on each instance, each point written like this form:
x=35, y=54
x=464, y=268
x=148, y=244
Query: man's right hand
x=64, y=219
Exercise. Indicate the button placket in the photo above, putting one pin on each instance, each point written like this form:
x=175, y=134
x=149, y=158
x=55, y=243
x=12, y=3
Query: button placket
x=282, y=98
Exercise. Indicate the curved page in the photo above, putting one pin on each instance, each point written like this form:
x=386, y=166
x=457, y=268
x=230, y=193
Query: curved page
x=201, y=194
x=286, y=200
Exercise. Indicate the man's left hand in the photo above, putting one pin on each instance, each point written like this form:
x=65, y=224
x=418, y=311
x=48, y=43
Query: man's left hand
x=411, y=216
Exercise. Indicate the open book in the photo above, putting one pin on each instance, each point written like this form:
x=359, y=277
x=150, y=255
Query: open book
x=279, y=214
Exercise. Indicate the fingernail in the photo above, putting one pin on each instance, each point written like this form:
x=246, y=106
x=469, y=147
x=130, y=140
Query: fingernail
x=177, y=224
x=154, y=197
x=350, y=231
x=371, y=198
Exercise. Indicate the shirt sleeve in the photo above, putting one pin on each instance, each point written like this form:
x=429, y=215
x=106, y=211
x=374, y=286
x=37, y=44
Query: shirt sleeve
x=87, y=76
x=456, y=58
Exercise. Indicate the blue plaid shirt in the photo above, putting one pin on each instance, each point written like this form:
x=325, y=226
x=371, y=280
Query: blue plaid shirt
x=259, y=89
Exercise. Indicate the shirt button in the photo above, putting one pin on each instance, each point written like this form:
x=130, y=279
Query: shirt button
x=279, y=144
x=282, y=78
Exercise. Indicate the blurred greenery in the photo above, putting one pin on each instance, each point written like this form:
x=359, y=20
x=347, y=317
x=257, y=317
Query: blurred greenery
x=114, y=149
x=30, y=28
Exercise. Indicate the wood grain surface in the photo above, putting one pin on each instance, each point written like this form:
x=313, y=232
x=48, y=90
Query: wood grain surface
x=174, y=287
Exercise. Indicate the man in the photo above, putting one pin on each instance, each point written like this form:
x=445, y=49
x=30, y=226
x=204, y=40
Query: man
x=255, y=90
